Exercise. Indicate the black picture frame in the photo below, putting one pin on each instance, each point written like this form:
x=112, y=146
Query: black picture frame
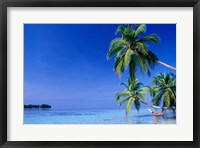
x=4, y=4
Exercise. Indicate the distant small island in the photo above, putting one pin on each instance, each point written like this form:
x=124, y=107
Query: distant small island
x=37, y=106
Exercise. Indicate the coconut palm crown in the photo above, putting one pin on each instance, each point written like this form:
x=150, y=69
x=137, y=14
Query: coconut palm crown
x=133, y=94
x=131, y=50
x=164, y=91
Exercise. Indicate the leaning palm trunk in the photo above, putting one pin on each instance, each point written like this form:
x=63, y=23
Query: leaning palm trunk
x=158, y=107
x=164, y=111
x=166, y=65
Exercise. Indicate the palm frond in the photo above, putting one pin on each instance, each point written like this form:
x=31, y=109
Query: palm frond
x=151, y=38
x=120, y=68
x=118, y=42
x=152, y=91
x=157, y=99
x=166, y=99
x=115, y=50
x=120, y=29
x=137, y=105
x=171, y=93
x=121, y=51
x=167, y=78
x=142, y=48
x=127, y=57
x=141, y=62
x=122, y=94
x=141, y=94
x=119, y=65
x=137, y=85
x=141, y=29
x=151, y=56
x=124, y=85
x=123, y=101
x=129, y=104
x=172, y=82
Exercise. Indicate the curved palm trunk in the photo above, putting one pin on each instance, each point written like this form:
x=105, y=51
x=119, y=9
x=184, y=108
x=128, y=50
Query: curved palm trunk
x=166, y=65
x=147, y=104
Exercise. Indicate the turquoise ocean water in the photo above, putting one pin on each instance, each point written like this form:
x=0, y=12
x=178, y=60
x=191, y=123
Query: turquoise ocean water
x=112, y=116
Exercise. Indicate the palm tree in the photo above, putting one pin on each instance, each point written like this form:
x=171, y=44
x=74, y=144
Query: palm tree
x=134, y=94
x=164, y=91
x=130, y=50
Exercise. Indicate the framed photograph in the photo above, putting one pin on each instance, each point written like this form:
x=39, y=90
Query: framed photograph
x=99, y=73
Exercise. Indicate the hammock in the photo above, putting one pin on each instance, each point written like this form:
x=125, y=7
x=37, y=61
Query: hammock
x=155, y=113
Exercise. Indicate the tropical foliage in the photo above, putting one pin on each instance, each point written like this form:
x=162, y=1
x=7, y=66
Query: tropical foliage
x=133, y=94
x=164, y=91
x=131, y=50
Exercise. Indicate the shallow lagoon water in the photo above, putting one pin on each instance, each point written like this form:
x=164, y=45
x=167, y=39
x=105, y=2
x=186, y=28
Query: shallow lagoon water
x=111, y=116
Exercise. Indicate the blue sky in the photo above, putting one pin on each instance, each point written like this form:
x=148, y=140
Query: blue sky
x=65, y=65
